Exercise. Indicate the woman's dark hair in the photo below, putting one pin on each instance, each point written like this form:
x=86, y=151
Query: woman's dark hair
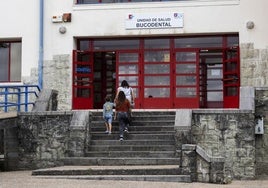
x=121, y=98
x=124, y=84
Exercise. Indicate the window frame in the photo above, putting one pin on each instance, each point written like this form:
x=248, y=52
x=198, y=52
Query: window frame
x=9, y=68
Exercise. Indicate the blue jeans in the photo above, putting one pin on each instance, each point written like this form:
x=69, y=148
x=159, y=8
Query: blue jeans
x=108, y=118
x=123, y=122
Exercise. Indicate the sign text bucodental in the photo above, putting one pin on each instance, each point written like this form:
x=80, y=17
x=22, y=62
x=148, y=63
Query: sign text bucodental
x=154, y=21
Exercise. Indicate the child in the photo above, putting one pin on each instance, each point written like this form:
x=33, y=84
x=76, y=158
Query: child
x=108, y=114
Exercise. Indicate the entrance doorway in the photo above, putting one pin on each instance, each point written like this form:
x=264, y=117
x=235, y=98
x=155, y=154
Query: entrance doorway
x=164, y=72
x=211, y=75
x=93, y=78
x=104, y=77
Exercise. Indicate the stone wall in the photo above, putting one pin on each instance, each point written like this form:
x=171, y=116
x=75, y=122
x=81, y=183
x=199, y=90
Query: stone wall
x=57, y=74
x=229, y=134
x=261, y=111
x=254, y=66
x=43, y=139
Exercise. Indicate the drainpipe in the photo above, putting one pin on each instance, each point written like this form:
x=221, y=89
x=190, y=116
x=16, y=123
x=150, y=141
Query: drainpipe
x=41, y=44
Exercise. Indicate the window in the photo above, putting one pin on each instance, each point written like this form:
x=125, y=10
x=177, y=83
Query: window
x=10, y=61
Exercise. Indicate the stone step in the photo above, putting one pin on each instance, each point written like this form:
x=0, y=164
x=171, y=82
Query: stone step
x=140, y=154
x=136, y=128
x=148, y=133
x=107, y=161
x=140, y=122
x=135, y=136
x=131, y=147
x=161, y=173
x=133, y=142
x=110, y=170
x=141, y=113
x=143, y=118
x=151, y=178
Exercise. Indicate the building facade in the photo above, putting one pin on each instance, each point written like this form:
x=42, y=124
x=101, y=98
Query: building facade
x=175, y=54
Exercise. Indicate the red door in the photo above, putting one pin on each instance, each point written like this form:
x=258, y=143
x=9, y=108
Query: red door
x=231, y=75
x=156, y=79
x=82, y=79
x=186, y=79
x=128, y=68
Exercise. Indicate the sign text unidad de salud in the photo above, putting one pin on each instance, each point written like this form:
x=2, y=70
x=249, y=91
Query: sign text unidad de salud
x=153, y=22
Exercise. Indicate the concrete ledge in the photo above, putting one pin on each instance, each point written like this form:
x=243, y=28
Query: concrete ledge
x=6, y=115
x=46, y=113
x=207, y=157
x=221, y=111
x=183, y=119
x=188, y=147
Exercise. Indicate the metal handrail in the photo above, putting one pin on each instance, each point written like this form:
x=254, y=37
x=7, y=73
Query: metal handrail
x=20, y=91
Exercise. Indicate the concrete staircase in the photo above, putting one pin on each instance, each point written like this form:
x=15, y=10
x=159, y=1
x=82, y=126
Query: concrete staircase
x=147, y=153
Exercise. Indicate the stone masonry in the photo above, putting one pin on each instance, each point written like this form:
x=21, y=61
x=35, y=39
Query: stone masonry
x=254, y=66
x=43, y=139
x=261, y=111
x=57, y=74
x=222, y=134
x=228, y=134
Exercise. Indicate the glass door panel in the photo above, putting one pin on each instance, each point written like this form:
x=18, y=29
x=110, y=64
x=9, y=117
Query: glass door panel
x=128, y=68
x=211, y=75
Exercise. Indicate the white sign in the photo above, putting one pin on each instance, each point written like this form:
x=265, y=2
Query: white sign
x=154, y=20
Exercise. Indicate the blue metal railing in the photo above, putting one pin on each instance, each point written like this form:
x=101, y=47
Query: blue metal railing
x=22, y=92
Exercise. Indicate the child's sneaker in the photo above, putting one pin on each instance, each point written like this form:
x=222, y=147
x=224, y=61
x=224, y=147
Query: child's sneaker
x=121, y=139
x=126, y=130
x=106, y=132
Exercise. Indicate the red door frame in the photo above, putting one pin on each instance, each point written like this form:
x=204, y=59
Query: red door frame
x=231, y=77
x=82, y=81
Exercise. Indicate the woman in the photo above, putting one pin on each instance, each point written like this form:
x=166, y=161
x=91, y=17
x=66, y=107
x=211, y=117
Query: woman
x=128, y=91
x=122, y=106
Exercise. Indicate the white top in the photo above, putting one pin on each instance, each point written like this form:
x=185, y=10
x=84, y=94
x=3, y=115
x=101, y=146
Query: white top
x=127, y=92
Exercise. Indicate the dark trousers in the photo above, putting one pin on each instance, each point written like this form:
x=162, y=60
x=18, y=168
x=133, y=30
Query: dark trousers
x=123, y=122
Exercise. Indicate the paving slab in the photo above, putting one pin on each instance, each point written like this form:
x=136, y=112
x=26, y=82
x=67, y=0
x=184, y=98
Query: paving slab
x=23, y=179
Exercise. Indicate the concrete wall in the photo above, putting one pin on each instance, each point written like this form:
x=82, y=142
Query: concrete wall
x=200, y=17
x=22, y=23
x=205, y=17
